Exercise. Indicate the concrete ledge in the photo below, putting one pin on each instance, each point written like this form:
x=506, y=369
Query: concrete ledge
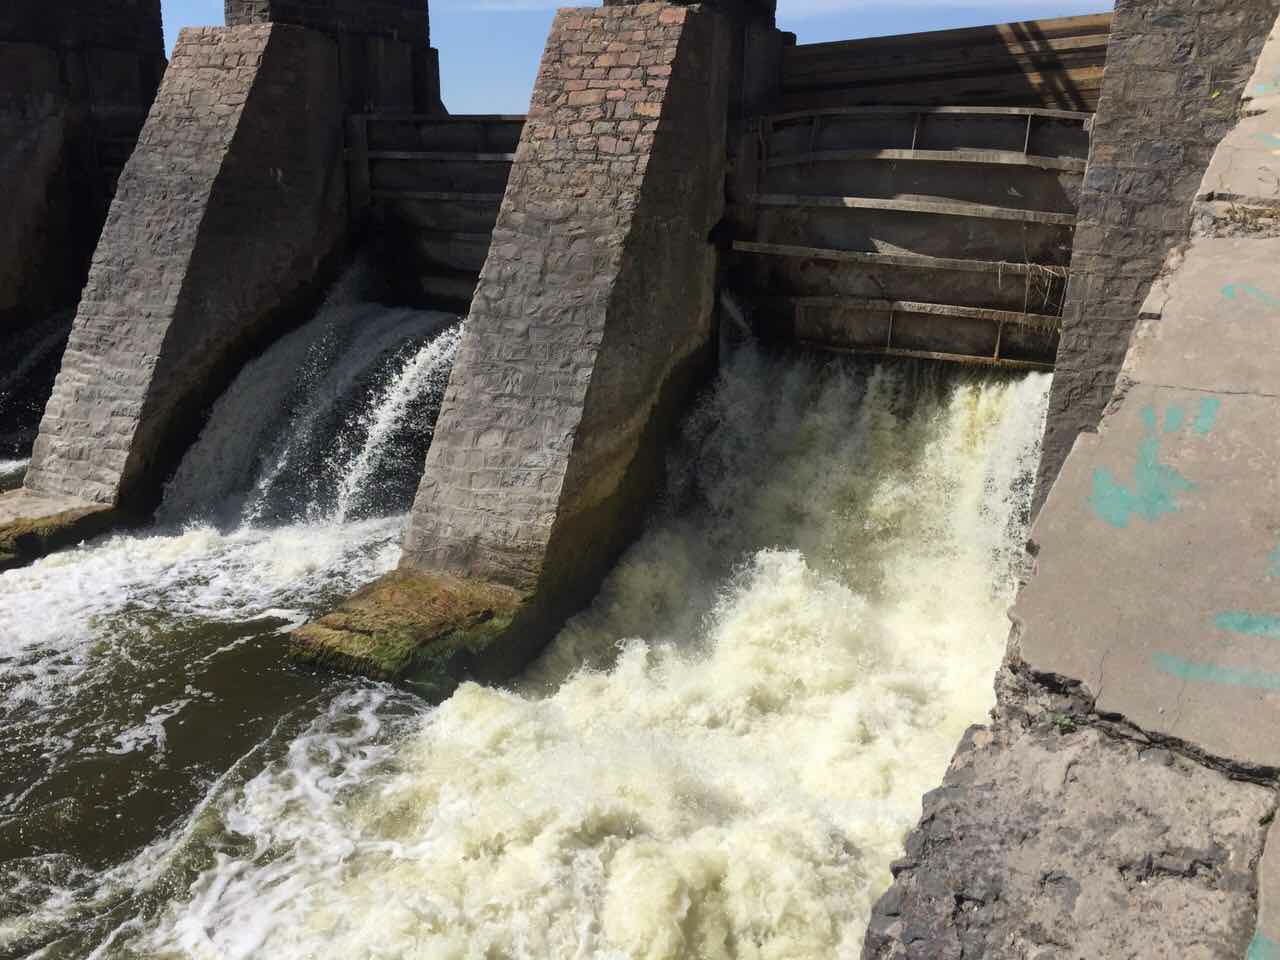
x=32, y=526
x=1055, y=836
x=424, y=628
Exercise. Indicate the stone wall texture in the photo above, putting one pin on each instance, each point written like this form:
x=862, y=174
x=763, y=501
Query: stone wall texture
x=594, y=310
x=1175, y=71
x=387, y=61
x=226, y=211
x=131, y=25
x=76, y=81
x=400, y=19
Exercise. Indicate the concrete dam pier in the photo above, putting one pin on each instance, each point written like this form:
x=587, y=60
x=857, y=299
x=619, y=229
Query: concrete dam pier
x=1087, y=197
x=76, y=81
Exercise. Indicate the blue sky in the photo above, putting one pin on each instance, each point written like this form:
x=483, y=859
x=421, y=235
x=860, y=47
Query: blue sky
x=489, y=49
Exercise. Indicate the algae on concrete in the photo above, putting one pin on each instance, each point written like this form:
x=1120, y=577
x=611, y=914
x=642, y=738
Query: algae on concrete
x=32, y=526
x=424, y=628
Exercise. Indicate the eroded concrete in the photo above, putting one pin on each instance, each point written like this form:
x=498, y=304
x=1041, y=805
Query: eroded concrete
x=1055, y=838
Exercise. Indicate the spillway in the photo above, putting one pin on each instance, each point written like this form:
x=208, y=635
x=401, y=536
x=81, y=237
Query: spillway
x=138, y=669
x=719, y=758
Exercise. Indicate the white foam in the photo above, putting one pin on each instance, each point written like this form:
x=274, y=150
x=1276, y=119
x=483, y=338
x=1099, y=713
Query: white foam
x=424, y=372
x=774, y=678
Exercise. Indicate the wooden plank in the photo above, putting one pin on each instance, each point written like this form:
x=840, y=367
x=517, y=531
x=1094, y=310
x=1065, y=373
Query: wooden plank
x=916, y=261
x=426, y=155
x=1078, y=89
x=1036, y=320
x=491, y=199
x=979, y=157
x=852, y=70
x=943, y=208
x=442, y=119
x=822, y=57
x=968, y=36
x=906, y=110
x=980, y=361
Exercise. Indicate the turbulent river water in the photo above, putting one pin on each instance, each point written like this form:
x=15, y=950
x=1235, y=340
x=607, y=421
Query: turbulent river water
x=718, y=759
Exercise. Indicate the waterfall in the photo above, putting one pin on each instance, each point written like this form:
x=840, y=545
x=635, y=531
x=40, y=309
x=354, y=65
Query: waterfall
x=719, y=758
x=332, y=423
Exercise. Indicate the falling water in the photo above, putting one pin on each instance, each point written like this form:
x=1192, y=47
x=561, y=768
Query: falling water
x=138, y=670
x=718, y=759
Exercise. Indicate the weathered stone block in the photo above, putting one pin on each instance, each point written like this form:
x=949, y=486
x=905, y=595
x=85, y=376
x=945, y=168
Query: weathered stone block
x=592, y=319
x=1175, y=72
x=253, y=192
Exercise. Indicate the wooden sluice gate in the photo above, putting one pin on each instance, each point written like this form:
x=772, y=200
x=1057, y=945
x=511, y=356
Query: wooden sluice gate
x=934, y=228
x=435, y=184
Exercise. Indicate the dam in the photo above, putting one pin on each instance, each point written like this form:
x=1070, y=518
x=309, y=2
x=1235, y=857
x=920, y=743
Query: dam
x=595, y=532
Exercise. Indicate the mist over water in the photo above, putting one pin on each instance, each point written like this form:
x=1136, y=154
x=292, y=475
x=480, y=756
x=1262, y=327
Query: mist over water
x=718, y=759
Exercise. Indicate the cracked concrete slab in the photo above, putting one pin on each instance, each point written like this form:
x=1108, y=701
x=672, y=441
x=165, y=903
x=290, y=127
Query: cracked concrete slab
x=1057, y=842
x=1218, y=326
x=1157, y=571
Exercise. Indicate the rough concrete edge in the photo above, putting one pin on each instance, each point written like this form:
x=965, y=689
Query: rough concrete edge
x=425, y=629
x=25, y=540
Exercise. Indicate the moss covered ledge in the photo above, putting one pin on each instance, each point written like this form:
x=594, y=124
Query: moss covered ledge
x=32, y=525
x=425, y=628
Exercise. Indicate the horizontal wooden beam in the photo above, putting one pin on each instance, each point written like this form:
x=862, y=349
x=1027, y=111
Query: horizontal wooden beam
x=1019, y=32
x=1038, y=321
x=431, y=155
x=1010, y=158
x=851, y=69
x=1078, y=89
x=490, y=199
x=943, y=208
x=918, y=261
x=963, y=358
x=445, y=119
x=905, y=110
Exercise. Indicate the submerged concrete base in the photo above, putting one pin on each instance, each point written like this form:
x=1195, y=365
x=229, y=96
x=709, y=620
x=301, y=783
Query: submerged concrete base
x=32, y=525
x=427, y=629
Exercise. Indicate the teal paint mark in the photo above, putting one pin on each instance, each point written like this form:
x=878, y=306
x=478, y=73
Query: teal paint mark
x=1207, y=417
x=1234, y=291
x=1260, y=88
x=1273, y=563
x=1249, y=624
x=1263, y=948
x=1270, y=139
x=1195, y=672
x=1155, y=485
x=1174, y=418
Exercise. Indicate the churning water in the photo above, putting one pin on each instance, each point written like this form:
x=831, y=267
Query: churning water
x=718, y=759
x=136, y=671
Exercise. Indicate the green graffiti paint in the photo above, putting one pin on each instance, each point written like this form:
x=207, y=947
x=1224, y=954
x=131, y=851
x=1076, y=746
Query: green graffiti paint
x=1195, y=672
x=1249, y=624
x=1263, y=947
x=1207, y=418
x=1234, y=291
x=1174, y=417
x=1156, y=486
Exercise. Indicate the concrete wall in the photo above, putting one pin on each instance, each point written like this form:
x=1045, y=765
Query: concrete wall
x=223, y=220
x=76, y=81
x=594, y=310
x=1175, y=71
x=387, y=60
